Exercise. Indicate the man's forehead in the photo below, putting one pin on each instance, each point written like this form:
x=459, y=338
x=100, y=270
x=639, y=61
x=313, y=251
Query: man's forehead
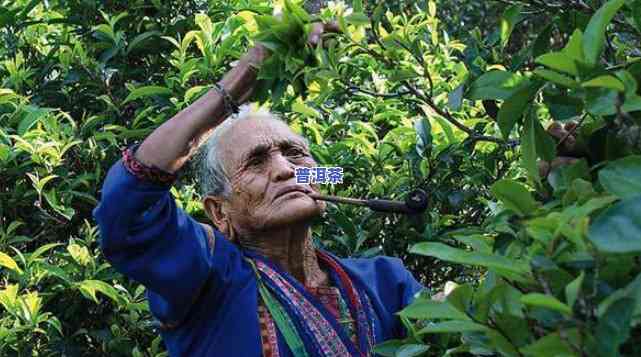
x=262, y=130
x=249, y=133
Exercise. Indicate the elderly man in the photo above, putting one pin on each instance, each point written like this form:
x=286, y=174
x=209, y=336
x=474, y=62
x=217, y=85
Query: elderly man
x=255, y=285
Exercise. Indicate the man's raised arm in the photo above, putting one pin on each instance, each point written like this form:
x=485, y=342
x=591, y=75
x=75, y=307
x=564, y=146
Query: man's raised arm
x=171, y=144
x=143, y=233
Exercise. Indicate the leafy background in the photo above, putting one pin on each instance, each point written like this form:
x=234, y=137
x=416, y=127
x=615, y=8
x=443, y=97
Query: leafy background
x=448, y=96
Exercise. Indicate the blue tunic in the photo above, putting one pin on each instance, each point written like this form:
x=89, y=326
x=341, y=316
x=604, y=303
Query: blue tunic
x=211, y=295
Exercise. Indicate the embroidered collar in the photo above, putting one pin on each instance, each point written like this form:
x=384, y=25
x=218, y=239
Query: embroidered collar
x=308, y=327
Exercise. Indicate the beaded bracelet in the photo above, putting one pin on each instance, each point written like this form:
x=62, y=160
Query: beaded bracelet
x=144, y=172
x=229, y=103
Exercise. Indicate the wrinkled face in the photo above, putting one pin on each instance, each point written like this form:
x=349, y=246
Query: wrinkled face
x=260, y=156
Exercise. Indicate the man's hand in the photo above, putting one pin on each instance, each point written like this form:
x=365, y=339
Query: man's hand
x=241, y=80
x=566, y=151
x=318, y=29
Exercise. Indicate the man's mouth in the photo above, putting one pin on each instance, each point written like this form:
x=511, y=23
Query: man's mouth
x=292, y=188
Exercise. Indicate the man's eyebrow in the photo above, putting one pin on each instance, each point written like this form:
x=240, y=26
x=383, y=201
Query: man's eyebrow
x=287, y=143
x=258, y=150
x=262, y=149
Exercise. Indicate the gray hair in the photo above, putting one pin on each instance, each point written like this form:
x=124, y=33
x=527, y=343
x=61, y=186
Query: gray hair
x=214, y=180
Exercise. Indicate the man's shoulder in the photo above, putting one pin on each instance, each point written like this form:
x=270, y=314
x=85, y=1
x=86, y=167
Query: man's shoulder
x=380, y=260
x=379, y=265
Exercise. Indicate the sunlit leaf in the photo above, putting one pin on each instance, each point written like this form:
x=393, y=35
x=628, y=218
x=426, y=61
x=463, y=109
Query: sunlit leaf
x=546, y=301
x=8, y=262
x=147, y=92
x=508, y=21
x=594, y=37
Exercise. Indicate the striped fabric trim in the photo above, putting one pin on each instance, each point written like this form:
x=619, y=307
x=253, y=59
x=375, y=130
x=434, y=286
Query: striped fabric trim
x=143, y=172
x=329, y=296
x=320, y=328
x=268, y=335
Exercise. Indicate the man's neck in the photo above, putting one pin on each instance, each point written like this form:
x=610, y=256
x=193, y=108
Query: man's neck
x=292, y=250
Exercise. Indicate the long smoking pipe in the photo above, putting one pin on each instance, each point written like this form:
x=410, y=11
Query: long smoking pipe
x=415, y=202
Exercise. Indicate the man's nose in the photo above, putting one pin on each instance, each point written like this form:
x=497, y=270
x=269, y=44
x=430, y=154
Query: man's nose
x=282, y=167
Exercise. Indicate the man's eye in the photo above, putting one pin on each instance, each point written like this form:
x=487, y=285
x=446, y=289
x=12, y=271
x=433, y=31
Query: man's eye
x=295, y=152
x=256, y=161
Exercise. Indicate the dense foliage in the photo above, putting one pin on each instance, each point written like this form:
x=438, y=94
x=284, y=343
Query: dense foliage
x=451, y=97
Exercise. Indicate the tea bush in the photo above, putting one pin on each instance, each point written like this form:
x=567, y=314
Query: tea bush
x=452, y=97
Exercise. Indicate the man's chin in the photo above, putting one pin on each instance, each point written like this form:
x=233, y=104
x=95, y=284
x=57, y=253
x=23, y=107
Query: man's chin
x=295, y=213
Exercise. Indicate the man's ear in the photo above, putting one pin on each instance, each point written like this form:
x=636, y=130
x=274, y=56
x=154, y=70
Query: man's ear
x=213, y=206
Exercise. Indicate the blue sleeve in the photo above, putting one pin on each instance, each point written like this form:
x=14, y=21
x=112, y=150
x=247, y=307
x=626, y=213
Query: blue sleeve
x=146, y=237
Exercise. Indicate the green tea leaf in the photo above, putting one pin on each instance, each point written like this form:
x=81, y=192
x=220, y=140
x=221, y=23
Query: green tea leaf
x=358, y=19
x=574, y=48
x=89, y=288
x=431, y=8
x=357, y=5
x=495, y=85
x=572, y=290
x=528, y=148
x=8, y=262
x=618, y=229
x=556, y=78
x=545, y=144
x=147, y=91
x=558, y=61
x=622, y=177
x=636, y=13
x=551, y=345
x=447, y=253
x=508, y=20
x=514, y=196
x=80, y=254
x=34, y=115
x=388, y=348
x=297, y=11
x=546, y=301
x=138, y=40
x=594, y=37
x=606, y=81
x=429, y=309
x=411, y=350
x=5, y=151
x=42, y=250
x=452, y=326
x=513, y=109
x=461, y=297
x=563, y=107
x=601, y=101
x=614, y=326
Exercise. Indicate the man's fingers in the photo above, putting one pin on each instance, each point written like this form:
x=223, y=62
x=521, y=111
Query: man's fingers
x=545, y=167
x=332, y=27
x=556, y=130
x=318, y=28
x=258, y=53
x=315, y=35
x=563, y=160
x=566, y=133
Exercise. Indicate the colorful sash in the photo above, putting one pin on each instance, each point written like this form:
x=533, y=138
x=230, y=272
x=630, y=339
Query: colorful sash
x=308, y=328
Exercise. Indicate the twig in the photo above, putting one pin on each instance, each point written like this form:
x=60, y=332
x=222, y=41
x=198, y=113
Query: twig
x=623, y=116
x=422, y=97
x=572, y=131
x=420, y=60
x=374, y=94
